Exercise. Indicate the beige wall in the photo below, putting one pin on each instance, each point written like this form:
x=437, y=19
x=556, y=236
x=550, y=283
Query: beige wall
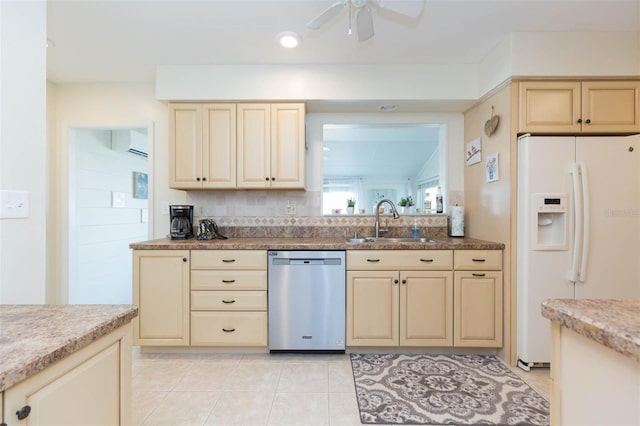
x=103, y=105
x=22, y=149
x=488, y=205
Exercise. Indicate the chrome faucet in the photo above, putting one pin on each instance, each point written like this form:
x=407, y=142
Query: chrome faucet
x=393, y=210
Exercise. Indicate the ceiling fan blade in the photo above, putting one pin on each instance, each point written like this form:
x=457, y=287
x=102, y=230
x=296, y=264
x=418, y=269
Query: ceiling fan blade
x=364, y=23
x=410, y=8
x=327, y=14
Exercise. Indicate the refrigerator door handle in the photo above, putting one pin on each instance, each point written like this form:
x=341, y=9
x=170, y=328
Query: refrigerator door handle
x=585, y=222
x=577, y=225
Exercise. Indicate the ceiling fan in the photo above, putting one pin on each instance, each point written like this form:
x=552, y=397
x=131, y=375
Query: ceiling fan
x=362, y=11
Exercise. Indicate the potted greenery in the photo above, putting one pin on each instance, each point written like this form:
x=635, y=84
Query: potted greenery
x=406, y=203
x=351, y=204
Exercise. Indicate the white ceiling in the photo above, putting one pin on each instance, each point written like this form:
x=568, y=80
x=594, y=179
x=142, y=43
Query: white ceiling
x=119, y=40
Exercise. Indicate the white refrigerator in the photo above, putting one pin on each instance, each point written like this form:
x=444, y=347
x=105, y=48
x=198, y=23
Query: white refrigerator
x=578, y=229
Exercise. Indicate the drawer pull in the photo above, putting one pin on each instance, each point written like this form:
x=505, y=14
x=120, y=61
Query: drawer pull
x=23, y=413
x=228, y=260
x=479, y=260
x=426, y=260
x=478, y=275
x=228, y=330
x=228, y=301
x=373, y=260
x=228, y=281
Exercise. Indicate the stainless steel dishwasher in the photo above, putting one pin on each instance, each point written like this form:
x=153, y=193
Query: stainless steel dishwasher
x=307, y=308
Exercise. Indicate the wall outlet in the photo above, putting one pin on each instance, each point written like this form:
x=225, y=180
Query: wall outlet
x=118, y=200
x=201, y=211
x=164, y=210
x=14, y=204
x=291, y=208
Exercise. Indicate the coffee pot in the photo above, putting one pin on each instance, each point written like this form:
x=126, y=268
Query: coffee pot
x=181, y=222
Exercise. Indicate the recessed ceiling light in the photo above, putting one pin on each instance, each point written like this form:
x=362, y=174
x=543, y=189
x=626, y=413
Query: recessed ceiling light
x=289, y=39
x=388, y=107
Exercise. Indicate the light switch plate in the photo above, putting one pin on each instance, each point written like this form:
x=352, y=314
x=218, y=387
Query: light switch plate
x=14, y=204
x=117, y=200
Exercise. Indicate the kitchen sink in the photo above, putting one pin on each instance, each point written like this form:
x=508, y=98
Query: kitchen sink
x=387, y=240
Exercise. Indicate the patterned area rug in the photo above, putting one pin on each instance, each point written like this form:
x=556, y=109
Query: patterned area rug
x=443, y=389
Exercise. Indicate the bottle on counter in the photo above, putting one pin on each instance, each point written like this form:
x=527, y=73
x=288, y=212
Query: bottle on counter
x=439, y=202
x=427, y=203
x=415, y=231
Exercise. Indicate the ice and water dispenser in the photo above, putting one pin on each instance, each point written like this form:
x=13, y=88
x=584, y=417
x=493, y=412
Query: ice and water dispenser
x=550, y=222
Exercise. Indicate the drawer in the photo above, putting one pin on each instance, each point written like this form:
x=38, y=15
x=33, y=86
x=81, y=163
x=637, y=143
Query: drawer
x=228, y=300
x=399, y=259
x=228, y=259
x=229, y=329
x=228, y=280
x=490, y=260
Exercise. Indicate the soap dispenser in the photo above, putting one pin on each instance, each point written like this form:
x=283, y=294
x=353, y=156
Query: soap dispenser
x=415, y=231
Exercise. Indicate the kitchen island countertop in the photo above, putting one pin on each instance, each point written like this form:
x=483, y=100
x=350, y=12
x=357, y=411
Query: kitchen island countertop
x=612, y=323
x=32, y=337
x=451, y=243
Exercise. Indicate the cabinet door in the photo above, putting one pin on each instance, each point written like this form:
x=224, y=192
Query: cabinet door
x=219, y=146
x=185, y=146
x=372, y=308
x=288, y=146
x=91, y=386
x=426, y=308
x=549, y=107
x=477, y=310
x=610, y=106
x=254, y=145
x=161, y=292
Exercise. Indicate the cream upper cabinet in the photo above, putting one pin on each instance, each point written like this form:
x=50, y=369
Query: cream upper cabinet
x=202, y=145
x=271, y=146
x=402, y=297
x=161, y=292
x=579, y=107
x=478, y=307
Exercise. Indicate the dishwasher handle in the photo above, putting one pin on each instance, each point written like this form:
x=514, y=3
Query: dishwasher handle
x=306, y=262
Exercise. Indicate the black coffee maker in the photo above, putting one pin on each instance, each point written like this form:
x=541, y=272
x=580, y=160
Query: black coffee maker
x=181, y=222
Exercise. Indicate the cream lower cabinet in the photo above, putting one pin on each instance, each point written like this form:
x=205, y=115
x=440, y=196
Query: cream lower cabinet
x=409, y=306
x=161, y=292
x=478, y=307
x=89, y=387
x=229, y=298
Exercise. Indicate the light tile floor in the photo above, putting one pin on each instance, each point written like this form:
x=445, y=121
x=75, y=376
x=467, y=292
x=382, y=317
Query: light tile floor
x=252, y=389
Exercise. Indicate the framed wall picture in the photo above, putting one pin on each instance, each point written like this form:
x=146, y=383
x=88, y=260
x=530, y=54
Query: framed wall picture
x=140, y=185
x=474, y=151
x=493, y=169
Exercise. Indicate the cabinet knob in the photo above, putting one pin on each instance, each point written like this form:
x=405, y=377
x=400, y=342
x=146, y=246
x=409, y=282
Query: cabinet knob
x=184, y=259
x=267, y=178
x=273, y=178
x=204, y=178
x=198, y=179
x=23, y=413
x=588, y=121
x=579, y=121
x=404, y=281
x=395, y=281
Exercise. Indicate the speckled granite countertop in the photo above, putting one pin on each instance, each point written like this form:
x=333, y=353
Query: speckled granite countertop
x=32, y=337
x=612, y=323
x=312, y=244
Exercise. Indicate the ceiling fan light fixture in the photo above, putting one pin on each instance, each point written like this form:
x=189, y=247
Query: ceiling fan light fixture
x=289, y=39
